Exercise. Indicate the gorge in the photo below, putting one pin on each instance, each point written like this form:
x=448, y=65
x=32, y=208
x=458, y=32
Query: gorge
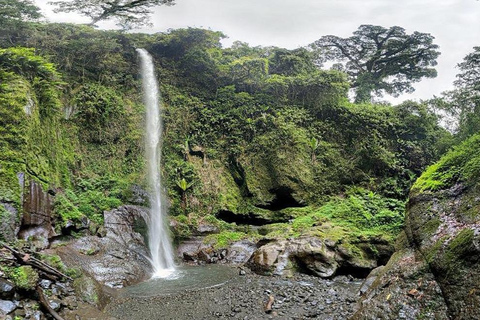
x=285, y=199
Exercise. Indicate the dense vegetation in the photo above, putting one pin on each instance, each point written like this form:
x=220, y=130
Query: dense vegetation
x=257, y=133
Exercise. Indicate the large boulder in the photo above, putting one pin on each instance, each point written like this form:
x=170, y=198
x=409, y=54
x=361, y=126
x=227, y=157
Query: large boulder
x=195, y=250
x=118, y=258
x=322, y=257
x=441, y=245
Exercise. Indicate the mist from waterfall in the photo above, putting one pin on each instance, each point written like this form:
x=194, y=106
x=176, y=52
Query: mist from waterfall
x=158, y=238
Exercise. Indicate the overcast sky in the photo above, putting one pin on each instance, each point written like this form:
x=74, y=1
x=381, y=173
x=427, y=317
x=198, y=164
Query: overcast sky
x=455, y=24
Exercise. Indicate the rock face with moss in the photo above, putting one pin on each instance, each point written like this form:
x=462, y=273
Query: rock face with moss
x=116, y=256
x=443, y=233
x=322, y=257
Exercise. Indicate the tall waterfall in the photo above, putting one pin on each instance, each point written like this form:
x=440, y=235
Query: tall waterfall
x=158, y=239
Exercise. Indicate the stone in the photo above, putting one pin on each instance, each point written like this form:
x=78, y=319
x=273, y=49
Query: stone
x=313, y=255
x=36, y=224
x=8, y=222
x=70, y=302
x=367, y=283
x=55, y=304
x=118, y=258
x=45, y=283
x=203, y=255
x=37, y=315
x=7, y=307
x=6, y=289
x=206, y=229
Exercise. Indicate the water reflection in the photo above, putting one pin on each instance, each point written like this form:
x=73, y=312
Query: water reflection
x=183, y=279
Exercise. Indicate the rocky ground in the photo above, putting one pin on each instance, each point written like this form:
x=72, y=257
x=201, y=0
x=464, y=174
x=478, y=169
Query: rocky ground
x=246, y=297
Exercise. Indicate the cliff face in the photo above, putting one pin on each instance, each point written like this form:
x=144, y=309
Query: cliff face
x=441, y=247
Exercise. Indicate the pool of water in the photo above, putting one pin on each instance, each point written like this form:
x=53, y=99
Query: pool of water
x=184, y=278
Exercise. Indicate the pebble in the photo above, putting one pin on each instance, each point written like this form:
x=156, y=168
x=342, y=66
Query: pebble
x=245, y=297
x=7, y=306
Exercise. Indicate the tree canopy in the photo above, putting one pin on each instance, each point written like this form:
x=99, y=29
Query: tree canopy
x=18, y=10
x=380, y=60
x=127, y=13
x=463, y=103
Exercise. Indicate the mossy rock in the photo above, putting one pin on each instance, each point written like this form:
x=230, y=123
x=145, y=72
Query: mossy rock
x=24, y=277
x=90, y=291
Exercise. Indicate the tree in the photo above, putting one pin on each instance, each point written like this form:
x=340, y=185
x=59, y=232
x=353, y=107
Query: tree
x=380, y=60
x=291, y=62
x=127, y=13
x=463, y=103
x=18, y=10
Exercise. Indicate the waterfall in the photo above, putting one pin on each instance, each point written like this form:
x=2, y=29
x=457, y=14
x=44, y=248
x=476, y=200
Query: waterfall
x=158, y=239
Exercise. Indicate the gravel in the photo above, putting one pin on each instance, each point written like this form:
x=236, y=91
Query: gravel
x=245, y=297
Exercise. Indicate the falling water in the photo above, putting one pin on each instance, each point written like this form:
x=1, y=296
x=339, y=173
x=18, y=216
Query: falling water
x=158, y=239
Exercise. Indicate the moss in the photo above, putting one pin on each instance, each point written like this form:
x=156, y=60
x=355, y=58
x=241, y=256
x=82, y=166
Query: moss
x=87, y=289
x=469, y=210
x=54, y=261
x=433, y=251
x=458, y=248
x=24, y=277
x=430, y=227
x=223, y=239
x=460, y=164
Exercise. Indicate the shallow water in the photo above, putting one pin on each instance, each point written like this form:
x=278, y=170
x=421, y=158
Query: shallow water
x=185, y=278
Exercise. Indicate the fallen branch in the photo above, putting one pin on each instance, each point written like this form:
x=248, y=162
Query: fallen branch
x=34, y=262
x=44, y=303
x=268, y=306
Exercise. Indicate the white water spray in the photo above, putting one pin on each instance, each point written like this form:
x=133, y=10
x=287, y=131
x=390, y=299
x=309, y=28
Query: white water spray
x=158, y=239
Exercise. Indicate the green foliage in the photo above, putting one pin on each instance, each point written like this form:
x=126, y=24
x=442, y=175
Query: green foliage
x=461, y=164
x=243, y=126
x=183, y=184
x=223, y=239
x=24, y=277
x=89, y=199
x=463, y=103
x=16, y=10
x=100, y=113
x=358, y=214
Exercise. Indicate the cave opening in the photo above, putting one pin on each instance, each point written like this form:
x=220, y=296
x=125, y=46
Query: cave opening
x=283, y=199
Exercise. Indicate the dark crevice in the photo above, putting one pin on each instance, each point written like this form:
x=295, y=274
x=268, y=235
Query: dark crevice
x=356, y=272
x=238, y=175
x=283, y=199
x=301, y=266
x=242, y=219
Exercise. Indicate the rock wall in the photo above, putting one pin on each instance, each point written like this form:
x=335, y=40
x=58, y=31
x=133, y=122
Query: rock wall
x=37, y=221
x=435, y=273
x=116, y=257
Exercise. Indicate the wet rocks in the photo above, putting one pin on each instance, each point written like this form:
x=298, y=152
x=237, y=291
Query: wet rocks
x=117, y=259
x=37, y=221
x=6, y=289
x=323, y=258
x=8, y=221
x=404, y=289
x=435, y=272
x=6, y=307
x=247, y=296
x=194, y=250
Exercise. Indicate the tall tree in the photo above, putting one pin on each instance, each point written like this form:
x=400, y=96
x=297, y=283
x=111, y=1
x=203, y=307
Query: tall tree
x=18, y=10
x=127, y=13
x=463, y=103
x=380, y=60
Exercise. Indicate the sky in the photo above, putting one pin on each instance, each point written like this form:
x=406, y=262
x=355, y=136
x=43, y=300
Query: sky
x=455, y=24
